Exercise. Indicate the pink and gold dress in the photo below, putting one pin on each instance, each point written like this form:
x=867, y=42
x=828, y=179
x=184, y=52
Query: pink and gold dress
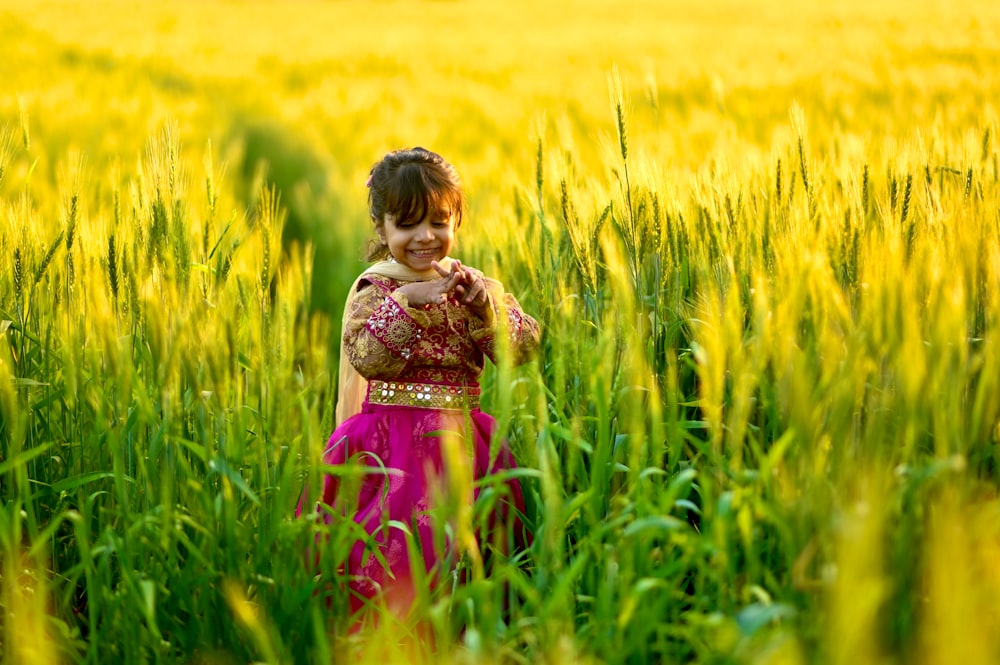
x=422, y=367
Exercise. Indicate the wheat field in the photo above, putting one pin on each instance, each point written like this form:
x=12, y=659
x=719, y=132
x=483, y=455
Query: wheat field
x=762, y=240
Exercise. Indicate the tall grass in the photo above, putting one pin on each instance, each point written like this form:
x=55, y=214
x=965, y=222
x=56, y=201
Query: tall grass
x=160, y=368
x=773, y=393
x=758, y=410
x=762, y=426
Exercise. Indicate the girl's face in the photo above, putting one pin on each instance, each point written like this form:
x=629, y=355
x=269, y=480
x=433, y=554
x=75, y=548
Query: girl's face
x=416, y=245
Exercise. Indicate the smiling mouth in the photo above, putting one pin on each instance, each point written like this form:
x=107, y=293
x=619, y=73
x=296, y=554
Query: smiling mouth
x=423, y=252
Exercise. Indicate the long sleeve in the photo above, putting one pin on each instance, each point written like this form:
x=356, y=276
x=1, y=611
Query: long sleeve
x=382, y=331
x=386, y=338
x=504, y=315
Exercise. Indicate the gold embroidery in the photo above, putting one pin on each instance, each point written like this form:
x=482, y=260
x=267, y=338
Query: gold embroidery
x=386, y=339
x=425, y=395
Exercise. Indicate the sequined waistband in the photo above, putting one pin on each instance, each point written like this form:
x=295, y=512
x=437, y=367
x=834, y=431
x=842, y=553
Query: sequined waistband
x=425, y=395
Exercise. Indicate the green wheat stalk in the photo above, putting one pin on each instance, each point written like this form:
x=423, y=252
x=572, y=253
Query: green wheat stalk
x=777, y=181
x=71, y=227
x=907, y=191
x=23, y=122
x=47, y=258
x=865, y=191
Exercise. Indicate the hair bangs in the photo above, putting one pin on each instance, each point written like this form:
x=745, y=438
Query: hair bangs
x=421, y=191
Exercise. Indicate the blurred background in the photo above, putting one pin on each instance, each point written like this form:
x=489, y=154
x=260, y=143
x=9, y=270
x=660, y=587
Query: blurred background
x=308, y=95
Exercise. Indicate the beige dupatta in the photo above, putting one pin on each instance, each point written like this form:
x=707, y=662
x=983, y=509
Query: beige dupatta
x=352, y=387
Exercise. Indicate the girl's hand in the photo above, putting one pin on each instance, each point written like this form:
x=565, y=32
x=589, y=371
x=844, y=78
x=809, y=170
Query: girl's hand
x=470, y=288
x=431, y=292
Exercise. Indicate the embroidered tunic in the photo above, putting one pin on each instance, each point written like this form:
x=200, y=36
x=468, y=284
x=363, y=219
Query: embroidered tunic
x=423, y=366
x=385, y=338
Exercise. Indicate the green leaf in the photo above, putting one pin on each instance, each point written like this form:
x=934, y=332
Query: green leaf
x=31, y=383
x=631, y=602
x=655, y=523
x=754, y=617
x=25, y=457
x=221, y=466
x=68, y=484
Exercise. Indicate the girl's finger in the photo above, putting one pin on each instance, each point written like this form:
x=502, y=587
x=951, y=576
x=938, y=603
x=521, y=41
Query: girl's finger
x=475, y=292
x=440, y=269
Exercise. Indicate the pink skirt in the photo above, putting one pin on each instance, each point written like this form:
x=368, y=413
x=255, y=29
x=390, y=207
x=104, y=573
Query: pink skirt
x=409, y=477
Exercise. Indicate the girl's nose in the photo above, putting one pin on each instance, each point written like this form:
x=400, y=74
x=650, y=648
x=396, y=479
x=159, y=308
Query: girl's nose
x=425, y=232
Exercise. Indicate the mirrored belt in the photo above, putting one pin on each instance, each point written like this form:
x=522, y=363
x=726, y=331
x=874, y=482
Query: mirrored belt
x=424, y=395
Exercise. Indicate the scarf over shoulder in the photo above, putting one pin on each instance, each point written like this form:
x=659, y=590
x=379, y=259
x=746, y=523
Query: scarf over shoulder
x=352, y=387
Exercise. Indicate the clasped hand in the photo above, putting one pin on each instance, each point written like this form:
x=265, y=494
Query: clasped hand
x=463, y=283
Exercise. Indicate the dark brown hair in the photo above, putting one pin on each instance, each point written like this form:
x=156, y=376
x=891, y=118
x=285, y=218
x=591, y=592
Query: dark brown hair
x=409, y=185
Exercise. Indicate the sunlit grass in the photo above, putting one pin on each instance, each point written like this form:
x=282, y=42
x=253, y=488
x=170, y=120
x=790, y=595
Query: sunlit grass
x=764, y=421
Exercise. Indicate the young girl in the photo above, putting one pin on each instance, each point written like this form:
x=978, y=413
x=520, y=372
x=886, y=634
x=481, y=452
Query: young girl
x=418, y=326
